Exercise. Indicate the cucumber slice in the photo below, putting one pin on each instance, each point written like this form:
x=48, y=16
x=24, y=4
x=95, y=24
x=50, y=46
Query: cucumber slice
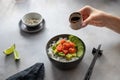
x=80, y=51
x=79, y=45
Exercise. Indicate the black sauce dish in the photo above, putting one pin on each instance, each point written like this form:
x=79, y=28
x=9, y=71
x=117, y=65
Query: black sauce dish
x=67, y=65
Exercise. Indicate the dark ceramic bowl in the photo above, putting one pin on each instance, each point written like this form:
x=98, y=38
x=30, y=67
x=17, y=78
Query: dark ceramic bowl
x=59, y=64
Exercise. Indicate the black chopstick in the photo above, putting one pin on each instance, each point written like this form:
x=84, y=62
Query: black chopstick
x=97, y=52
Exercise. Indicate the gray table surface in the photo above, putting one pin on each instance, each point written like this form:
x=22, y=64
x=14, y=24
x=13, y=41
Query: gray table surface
x=56, y=14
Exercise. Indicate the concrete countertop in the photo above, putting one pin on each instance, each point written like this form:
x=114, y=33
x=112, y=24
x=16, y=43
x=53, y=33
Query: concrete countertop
x=56, y=14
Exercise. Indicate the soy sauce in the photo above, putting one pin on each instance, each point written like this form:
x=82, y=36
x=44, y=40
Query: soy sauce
x=75, y=19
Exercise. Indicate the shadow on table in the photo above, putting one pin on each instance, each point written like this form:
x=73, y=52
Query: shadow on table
x=79, y=72
x=9, y=59
x=28, y=34
x=74, y=74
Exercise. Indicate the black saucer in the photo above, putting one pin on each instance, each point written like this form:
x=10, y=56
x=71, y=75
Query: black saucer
x=31, y=30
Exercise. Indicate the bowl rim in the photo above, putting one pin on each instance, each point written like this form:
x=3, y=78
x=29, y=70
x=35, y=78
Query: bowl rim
x=62, y=61
x=32, y=25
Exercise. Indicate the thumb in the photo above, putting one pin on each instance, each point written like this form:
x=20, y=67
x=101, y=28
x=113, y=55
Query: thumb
x=86, y=21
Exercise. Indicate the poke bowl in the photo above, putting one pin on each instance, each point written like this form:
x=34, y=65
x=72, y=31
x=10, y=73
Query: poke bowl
x=65, y=51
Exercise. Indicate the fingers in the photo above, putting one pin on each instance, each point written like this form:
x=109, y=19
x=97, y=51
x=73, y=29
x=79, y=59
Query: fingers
x=85, y=9
x=86, y=21
x=90, y=16
x=85, y=12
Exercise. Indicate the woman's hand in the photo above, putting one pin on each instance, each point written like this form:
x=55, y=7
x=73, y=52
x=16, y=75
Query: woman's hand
x=93, y=16
x=99, y=18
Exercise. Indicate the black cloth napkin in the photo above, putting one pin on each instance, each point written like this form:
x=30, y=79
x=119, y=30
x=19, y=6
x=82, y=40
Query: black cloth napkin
x=35, y=72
